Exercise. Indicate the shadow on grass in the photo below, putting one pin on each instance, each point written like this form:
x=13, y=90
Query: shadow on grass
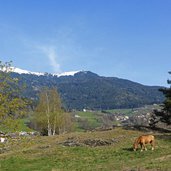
x=127, y=149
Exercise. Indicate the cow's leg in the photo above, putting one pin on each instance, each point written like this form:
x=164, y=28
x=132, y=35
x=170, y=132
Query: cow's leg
x=141, y=146
x=144, y=146
x=152, y=145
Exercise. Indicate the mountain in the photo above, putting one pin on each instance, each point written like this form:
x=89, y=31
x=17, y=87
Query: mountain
x=84, y=89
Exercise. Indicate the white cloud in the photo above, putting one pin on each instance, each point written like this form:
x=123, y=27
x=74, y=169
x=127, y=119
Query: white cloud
x=51, y=54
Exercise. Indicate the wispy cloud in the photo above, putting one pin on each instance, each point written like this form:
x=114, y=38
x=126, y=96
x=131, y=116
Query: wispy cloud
x=51, y=54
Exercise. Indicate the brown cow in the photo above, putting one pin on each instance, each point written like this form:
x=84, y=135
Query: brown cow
x=143, y=140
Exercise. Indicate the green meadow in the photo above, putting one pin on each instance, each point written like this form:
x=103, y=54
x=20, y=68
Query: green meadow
x=50, y=154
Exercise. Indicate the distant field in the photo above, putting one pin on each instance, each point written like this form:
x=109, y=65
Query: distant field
x=47, y=154
x=134, y=111
x=90, y=120
x=121, y=111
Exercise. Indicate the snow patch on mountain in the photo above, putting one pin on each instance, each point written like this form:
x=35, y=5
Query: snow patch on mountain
x=70, y=73
x=21, y=71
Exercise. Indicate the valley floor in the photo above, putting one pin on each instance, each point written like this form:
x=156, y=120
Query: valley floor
x=98, y=150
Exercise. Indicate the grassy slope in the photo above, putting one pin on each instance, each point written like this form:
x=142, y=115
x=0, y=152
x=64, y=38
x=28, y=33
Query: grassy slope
x=45, y=154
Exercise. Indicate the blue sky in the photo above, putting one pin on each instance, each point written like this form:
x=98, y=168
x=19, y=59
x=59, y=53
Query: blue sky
x=129, y=39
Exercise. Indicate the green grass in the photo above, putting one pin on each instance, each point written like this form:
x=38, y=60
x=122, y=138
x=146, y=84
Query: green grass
x=91, y=117
x=46, y=154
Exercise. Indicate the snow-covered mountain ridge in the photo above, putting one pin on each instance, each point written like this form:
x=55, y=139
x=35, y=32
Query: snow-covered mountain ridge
x=22, y=71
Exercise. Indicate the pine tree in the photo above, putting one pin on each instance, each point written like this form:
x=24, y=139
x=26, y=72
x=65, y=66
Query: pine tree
x=164, y=115
x=153, y=120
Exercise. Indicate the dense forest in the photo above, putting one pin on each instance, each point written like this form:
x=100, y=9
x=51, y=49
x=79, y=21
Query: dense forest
x=91, y=91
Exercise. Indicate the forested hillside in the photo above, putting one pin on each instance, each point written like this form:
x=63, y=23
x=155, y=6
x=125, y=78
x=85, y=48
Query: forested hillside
x=90, y=91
